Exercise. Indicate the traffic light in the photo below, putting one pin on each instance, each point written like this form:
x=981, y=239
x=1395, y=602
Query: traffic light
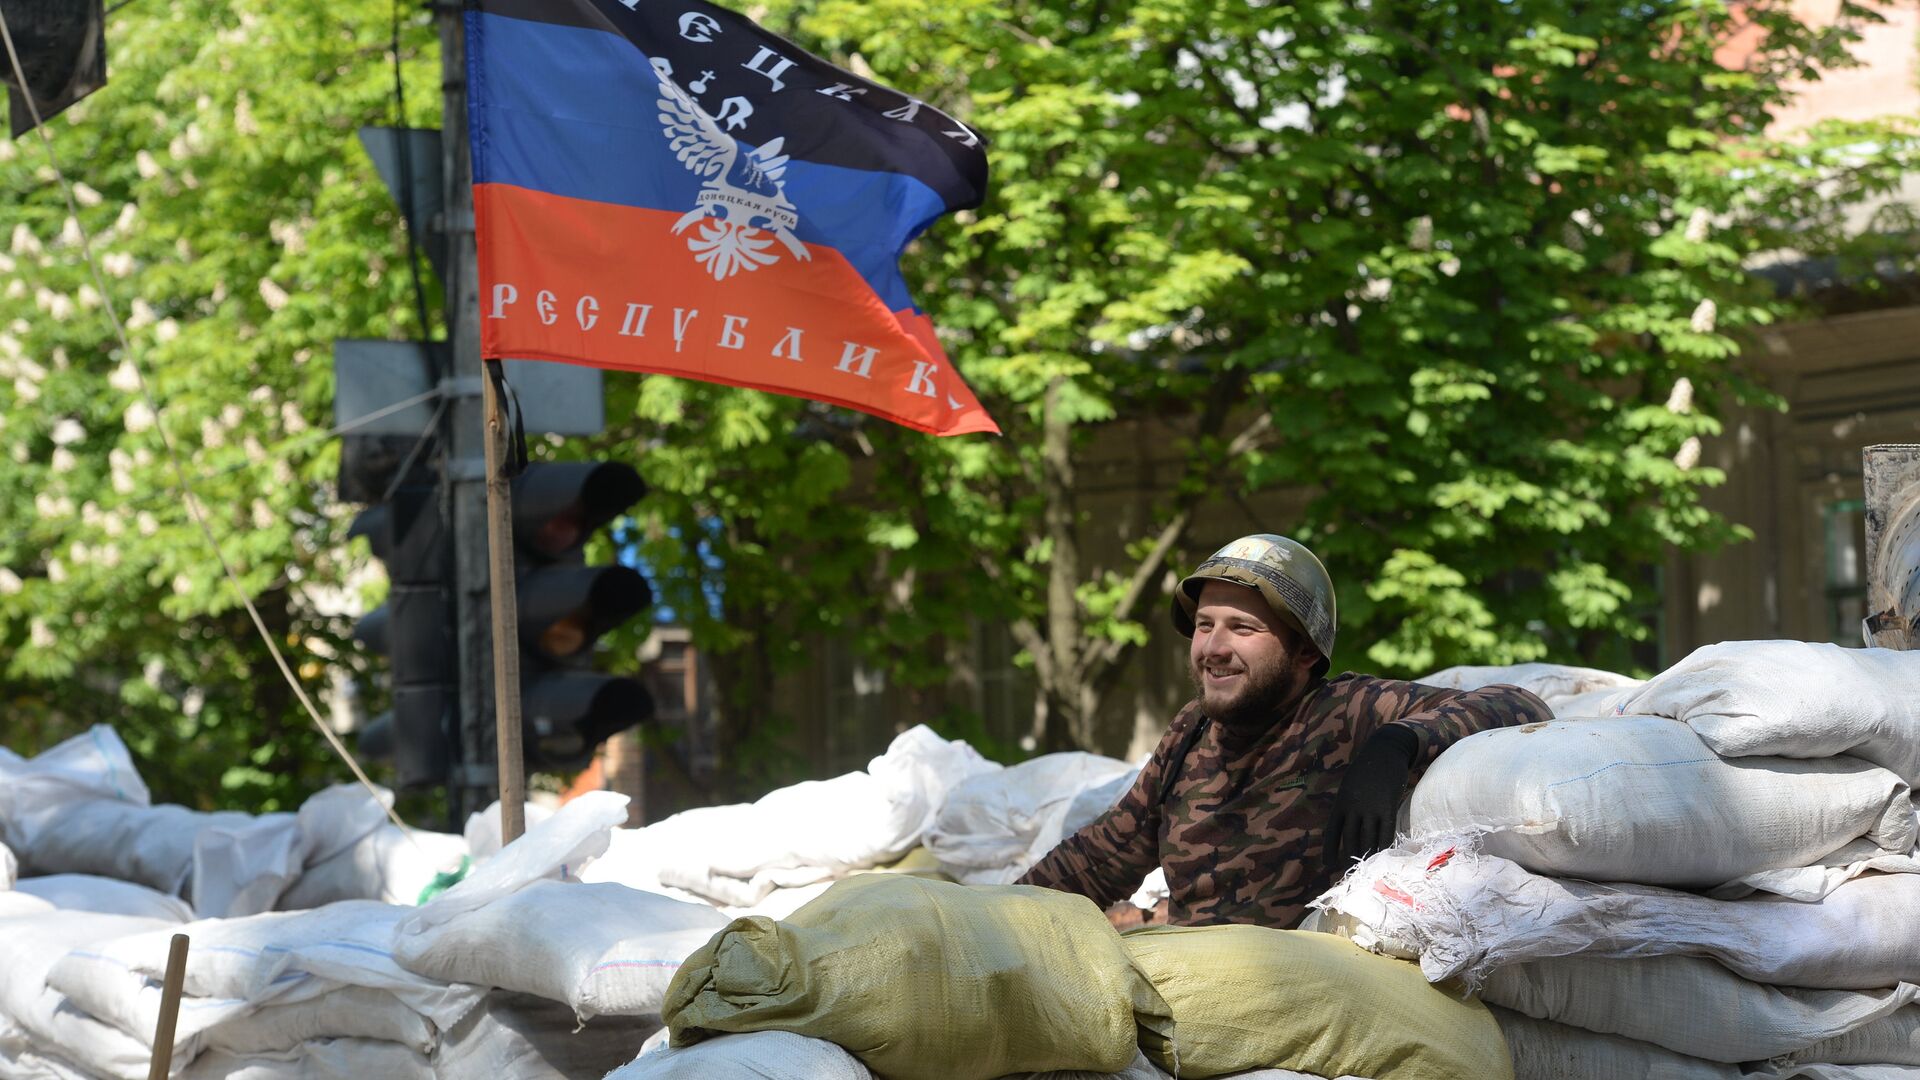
x=63, y=51
x=414, y=628
x=568, y=709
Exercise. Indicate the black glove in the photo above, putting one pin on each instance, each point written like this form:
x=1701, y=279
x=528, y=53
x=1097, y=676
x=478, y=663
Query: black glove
x=1368, y=806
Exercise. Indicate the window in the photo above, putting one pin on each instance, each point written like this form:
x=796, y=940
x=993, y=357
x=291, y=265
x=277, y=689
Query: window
x=1845, y=530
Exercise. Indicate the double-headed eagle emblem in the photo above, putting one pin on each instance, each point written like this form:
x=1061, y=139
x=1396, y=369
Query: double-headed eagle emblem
x=743, y=198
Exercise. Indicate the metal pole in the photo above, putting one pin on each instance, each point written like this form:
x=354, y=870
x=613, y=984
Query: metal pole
x=506, y=619
x=170, y=988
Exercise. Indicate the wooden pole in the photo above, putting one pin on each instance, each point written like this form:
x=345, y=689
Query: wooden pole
x=169, y=1009
x=506, y=617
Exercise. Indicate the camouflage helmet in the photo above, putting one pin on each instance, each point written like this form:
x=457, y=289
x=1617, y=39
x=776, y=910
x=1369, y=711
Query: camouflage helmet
x=1283, y=572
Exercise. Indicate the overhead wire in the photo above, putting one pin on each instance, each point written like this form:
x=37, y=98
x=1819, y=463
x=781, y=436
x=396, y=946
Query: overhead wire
x=192, y=503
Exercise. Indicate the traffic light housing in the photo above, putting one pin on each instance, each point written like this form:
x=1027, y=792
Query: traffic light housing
x=566, y=605
x=414, y=629
x=63, y=51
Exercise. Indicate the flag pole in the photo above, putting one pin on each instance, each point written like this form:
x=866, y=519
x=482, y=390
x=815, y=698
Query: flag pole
x=506, y=615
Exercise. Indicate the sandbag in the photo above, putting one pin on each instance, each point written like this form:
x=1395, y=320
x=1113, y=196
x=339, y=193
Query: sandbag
x=248, y=959
x=1695, y=1006
x=322, y=1059
x=752, y=1055
x=348, y=1012
x=244, y=869
x=389, y=864
x=1543, y=1050
x=150, y=845
x=921, y=978
x=29, y=947
x=105, y=987
x=599, y=948
x=511, y=1036
x=1249, y=997
x=1890, y=1040
x=996, y=825
x=1464, y=914
x=1551, y=683
x=1643, y=799
x=107, y=896
x=1795, y=699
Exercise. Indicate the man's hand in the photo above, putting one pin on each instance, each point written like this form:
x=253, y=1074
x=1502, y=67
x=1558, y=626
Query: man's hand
x=1368, y=805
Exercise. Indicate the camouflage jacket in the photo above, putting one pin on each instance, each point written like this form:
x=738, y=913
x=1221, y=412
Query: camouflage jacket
x=1240, y=832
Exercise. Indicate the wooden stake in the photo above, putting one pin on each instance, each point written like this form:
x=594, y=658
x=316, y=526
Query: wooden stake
x=506, y=618
x=169, y=1009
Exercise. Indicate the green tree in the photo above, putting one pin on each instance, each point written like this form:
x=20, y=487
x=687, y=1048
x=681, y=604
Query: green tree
x=239, y=229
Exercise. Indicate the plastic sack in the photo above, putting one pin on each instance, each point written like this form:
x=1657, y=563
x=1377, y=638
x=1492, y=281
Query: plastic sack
x=921, y=978
x=761, y=1055
x=519, y=1037
x=29, y=947
x=1643, y=799
x=321, y=1059
x=1694, y=1006
x=572, y=836
x=995, y=826
x=1795, y=699
x=244, y=869
x=1463, y=915
x=107, y=896
x=599, y=948
x=482, y=830
x=1249, y=997
x=249, y=959
x=347, y=1012
x=389, y=864
x=1551, y=683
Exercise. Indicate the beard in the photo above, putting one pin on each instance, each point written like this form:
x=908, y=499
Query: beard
x=1256, y=702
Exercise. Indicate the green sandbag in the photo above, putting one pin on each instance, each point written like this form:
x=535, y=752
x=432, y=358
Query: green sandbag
x=1238, y=998
x=924, y=979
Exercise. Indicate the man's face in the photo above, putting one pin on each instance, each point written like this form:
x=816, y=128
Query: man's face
x=1244, y=661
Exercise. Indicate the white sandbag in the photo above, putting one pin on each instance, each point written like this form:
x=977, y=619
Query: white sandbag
x=600, y=948
x=739, y=855
x=1543, y=1050
x=1891, y=1040
x=322, y=1059
x=92, y=765
x=995, y=826
x=104, y=987
x=1795, y=699
x=29, y=947
x=512, y=1036
x=244, y=869
x=151, y=845
x=20, y=1060
x=483, y=827
x=389, y=864
x=249, y=959
x=1463, y=914
x=850, y=822
x=1643, y=799
x=1603, y=702
x=756, y=1055
x=347, y=1012
x=1823, y=875
x=1549, y=682
x=1693, y=1006
x=107, y=896
x=577, y=833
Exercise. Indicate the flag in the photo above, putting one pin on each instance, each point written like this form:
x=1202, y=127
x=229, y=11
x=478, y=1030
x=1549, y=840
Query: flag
x=663, y=186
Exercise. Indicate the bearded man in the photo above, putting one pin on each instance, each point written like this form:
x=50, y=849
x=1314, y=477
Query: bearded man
x=1274, y=777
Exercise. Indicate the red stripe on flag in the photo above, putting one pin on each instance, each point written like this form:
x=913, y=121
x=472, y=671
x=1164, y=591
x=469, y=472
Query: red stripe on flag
x=614, y=287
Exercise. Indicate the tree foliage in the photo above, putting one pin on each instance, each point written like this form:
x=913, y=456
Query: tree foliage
x=239, y=229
